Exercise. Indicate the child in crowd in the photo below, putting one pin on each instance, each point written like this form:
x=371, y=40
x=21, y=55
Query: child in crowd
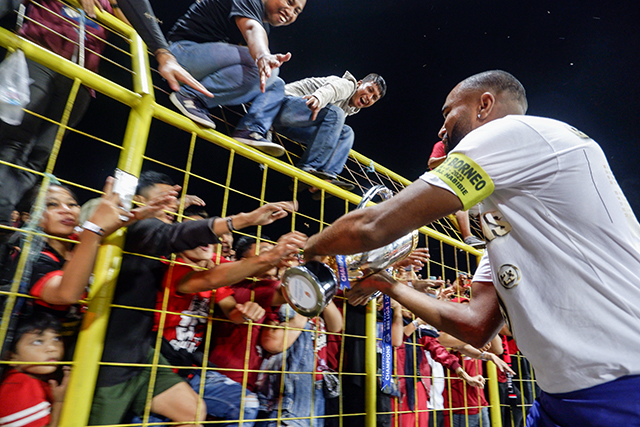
x=30, y=396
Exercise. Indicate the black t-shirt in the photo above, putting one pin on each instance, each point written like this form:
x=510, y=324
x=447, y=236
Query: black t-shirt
x=214, y=21
x=130, y=332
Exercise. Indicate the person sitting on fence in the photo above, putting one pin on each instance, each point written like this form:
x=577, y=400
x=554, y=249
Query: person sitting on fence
x=129, y=337
x=225, y=45
x=29, y=393
x=313, y=113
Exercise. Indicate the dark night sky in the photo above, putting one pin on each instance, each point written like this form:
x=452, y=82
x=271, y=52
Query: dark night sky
x=577, y=60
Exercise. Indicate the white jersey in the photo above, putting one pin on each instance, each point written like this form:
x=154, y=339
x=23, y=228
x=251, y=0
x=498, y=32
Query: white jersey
x=563, y=242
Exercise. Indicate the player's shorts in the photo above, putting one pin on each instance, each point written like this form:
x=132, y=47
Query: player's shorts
x=616, y=403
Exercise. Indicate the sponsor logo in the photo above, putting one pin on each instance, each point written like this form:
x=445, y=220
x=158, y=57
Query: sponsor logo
x=509, y=275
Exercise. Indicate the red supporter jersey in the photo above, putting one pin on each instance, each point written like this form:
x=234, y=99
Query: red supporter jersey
x=185, y=330
x=231, y=340
x=464, y=395
x=25, y=401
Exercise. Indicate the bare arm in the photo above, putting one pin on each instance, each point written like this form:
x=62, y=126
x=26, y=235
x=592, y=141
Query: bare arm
x=258, y=42
x=233, y=272
x=241, y=313
x=332, y=318
x=434, y=162
x=273, y=339
x=475, y=323
x=375, y=226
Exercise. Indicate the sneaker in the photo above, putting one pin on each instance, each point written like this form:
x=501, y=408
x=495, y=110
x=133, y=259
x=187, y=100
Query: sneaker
x=254, y=139
x=192, y=108
x=473, y=241
x=317, y=194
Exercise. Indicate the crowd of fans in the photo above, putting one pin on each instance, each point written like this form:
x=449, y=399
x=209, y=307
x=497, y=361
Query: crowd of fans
x=264, y=363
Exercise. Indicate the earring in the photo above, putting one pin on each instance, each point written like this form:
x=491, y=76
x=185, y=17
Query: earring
x=479, y=115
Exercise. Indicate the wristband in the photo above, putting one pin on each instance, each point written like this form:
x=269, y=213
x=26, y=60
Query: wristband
x=94, y=228
x=261, y=56
x=415, y=323
x=230, y=224
x=482, y=355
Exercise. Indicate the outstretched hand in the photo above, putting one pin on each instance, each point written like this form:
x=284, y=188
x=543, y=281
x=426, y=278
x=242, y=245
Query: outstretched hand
x=361, y=291
x=159, y=203
x=416, y=258
x=285, y=250
x=271, y=212
x=268, y=62
x=251, y=311
x=174, y=74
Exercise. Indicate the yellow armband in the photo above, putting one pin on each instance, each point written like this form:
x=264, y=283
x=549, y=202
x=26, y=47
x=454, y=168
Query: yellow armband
x=468, y=180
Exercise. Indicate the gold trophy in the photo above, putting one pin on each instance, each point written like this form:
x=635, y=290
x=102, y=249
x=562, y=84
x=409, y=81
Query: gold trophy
x=310, y=287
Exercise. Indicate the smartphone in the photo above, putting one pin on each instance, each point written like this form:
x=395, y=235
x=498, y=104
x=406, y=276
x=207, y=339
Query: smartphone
x=125, y=186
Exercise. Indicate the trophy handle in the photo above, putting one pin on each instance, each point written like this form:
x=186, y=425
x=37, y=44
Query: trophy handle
x=379, y=189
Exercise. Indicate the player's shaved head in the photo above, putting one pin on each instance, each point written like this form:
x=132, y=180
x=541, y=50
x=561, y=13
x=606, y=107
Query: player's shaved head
x=500, y=83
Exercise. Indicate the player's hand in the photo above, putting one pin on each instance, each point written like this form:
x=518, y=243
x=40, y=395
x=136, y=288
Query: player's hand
x=268, y=62
x=173, y=73
x=313, y=104
x=361, y=291
x=251, y=311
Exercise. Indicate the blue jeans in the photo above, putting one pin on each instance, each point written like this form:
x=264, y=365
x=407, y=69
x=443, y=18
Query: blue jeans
x=299, y=407
x=222, y=397
x=327, y=138
x=229, y=72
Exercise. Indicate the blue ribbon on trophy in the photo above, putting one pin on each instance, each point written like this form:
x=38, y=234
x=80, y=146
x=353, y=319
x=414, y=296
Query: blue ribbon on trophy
x=387, y=350
x=343, y=272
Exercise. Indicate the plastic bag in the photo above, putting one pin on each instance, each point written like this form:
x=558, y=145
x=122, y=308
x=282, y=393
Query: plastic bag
x=14, y=88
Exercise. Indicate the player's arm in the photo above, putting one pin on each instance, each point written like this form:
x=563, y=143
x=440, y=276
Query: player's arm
x=373, y=227
x=475, y=323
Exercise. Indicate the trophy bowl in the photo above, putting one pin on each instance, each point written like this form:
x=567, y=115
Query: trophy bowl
x=309, y=288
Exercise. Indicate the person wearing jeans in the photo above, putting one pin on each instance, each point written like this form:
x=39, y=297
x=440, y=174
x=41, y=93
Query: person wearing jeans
x=314, y=112
x=206, y=41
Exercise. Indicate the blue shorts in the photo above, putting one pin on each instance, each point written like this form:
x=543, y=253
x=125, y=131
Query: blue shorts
x=616, y=403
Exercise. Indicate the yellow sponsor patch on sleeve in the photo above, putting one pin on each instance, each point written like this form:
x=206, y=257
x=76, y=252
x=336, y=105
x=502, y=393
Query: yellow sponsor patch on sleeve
x=469, y=181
